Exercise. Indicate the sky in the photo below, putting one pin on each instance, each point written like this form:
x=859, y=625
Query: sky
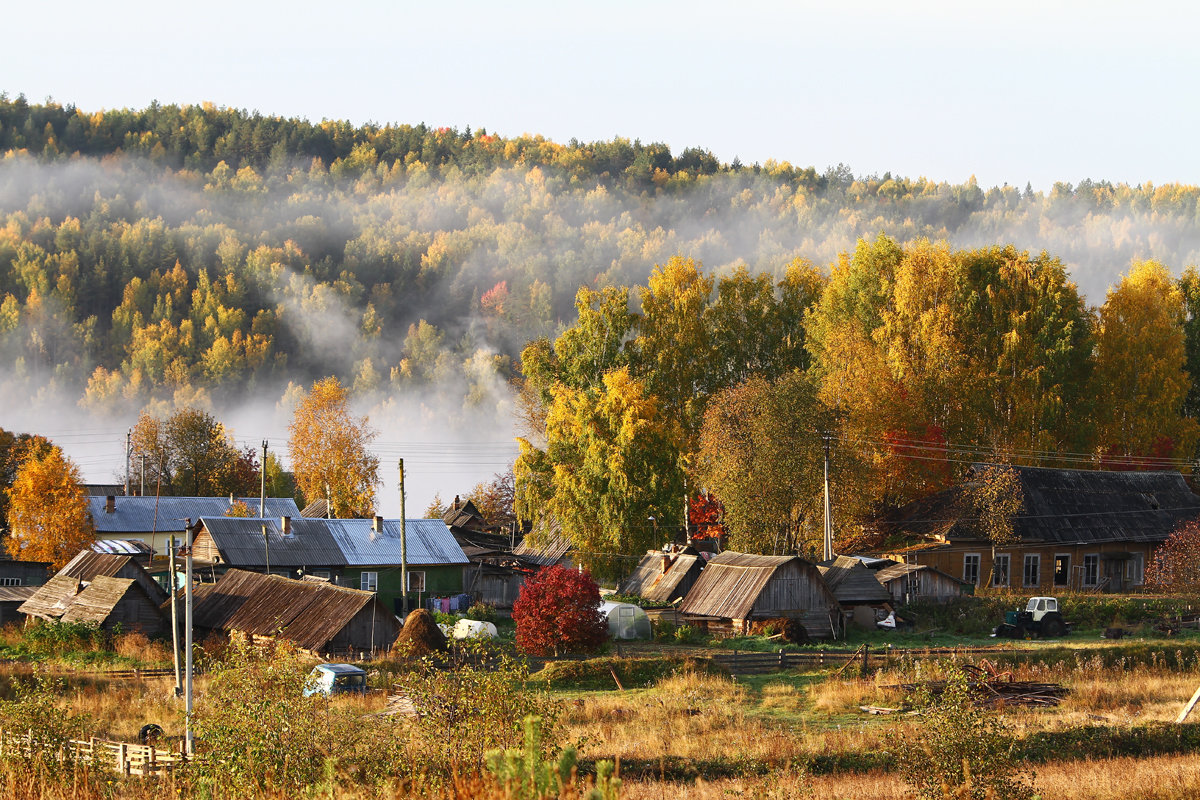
x=1010, y=92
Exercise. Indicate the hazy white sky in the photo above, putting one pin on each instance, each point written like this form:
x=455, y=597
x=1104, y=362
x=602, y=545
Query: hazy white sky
x=1010, y=92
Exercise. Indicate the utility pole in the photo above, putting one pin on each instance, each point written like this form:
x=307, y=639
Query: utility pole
x=128, y=453
x=403, y=546
x=266, y=549
x=142, y=486
x=687, y=530
x=262, y=498
x=828, y=515
x=187, y=622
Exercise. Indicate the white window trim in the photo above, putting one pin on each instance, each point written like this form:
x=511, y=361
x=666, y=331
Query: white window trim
x=10, y=582
x=1083, y=578
x=420, y=585
x=1035, y=558
x=1054, y=570
x=1007, y=570
x=978, y=567
x=369, y=581
x=1137, y=577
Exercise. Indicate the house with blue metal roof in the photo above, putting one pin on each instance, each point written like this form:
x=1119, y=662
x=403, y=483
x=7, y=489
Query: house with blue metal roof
x=154, y=520
x=373, y=548
x=357, y=553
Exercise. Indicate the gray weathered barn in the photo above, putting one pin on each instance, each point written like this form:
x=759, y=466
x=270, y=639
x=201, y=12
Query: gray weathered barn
x=740, y=587
x=908, y=583
x=863, y=599
x=106, y=589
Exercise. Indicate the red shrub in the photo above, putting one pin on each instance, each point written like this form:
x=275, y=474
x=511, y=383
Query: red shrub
x=558, y=610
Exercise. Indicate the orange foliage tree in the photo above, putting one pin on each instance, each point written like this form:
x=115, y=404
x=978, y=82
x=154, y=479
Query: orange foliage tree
x=329, y=451
x=1176, y=564
x=48, y=510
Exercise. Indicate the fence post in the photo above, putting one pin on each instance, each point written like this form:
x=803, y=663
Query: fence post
x=866, y=665
x=781, y=661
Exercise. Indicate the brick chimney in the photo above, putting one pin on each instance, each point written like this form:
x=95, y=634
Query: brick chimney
x=110, y=504
x=285, y=526
x=377, y=525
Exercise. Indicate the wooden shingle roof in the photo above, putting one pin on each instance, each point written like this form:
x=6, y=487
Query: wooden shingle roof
x=731, y=582
x=852, y=583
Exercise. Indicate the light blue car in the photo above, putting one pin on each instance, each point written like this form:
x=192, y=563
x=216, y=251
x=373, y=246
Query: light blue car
x=331, y=679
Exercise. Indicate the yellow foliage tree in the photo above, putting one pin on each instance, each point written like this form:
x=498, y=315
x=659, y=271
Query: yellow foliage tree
x=329, y=451
x=1140, y=380
x=48, y=510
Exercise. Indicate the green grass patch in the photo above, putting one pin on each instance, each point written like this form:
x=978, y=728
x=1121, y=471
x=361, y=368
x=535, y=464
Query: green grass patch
x=597, y=673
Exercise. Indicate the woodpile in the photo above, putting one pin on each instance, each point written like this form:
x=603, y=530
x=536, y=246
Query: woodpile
x=991, y=687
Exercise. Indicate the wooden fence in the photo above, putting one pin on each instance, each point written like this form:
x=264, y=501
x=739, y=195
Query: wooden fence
x=120, y=757
x=757, y=663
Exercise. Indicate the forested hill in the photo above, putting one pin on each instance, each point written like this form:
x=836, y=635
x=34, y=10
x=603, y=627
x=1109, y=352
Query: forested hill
x=172, y=252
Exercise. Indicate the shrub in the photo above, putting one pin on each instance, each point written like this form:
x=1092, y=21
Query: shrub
x=962, y=750
x=34, y=709
x=597, y=673
x=51, y=637
x=558, y=610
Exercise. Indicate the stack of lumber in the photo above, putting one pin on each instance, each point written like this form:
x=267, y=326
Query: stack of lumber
x=993, y=692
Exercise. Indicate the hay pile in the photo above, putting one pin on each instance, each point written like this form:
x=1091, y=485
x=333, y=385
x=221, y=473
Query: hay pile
x=786, y=628
x=420, y=636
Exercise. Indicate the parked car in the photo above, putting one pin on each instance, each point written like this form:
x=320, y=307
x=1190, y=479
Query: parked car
x=331, y=679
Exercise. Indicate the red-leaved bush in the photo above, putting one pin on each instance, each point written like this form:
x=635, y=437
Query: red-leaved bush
x=557, y=611
x=1176, y=564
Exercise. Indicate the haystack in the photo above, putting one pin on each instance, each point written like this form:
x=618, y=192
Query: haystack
x=420, y=636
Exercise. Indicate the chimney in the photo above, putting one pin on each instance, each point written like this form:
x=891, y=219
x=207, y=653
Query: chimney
x=666, y=563
x=110, y=504
x=377, y=525
x=455, y=503
x=285, y=526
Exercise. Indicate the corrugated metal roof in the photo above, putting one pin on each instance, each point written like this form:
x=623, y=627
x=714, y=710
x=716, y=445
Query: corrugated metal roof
x=731, y=582
x=122, y=547
x=545, y=545
x=240, y=542
x=137, y=515
x=852, y=583
x=429, y=542
x=311, y=614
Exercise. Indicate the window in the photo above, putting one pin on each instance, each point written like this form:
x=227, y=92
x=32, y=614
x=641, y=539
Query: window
x=1062, y=569
x=1000, y=569
x=1135, y=569
x=321, y=573
x=1091, y=569
x=10, y=581
x=416, y=581
x=971, y=568
x=1032, y=575
x=369, y=582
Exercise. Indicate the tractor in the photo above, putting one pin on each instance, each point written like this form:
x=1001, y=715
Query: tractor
x=1041, y=617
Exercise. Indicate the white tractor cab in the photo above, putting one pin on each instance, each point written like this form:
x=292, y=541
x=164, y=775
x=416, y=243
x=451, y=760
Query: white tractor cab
x=1041, y=617
x=331, y=679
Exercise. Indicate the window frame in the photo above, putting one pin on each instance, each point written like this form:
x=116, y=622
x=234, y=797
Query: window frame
x=1036, y=560
x=976, y=560
x=1066, y=572
x=1006, y=559
x=368, y=581
x=1091, y=561
x=1136, y=569
x=418, y=589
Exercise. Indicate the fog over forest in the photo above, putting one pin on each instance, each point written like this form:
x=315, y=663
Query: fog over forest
x=416, y=277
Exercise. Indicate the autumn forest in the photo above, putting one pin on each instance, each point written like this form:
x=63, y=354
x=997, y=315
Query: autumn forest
x=670, y=326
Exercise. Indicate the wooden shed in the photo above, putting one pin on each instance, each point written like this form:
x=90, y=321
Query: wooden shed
x=116, y=604
x=863, y=599
x=103, y=588
x=908, y=583
x=740, y=587
x=664, y=576
x=318, y=617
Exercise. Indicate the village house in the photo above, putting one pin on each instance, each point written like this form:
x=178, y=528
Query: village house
x=105, y=589
x=910, y=583
x=1079, y=530
x=737, y=588
x=863, y=599
x=154, y=520
x=315, y=615
x=358, y=553
x=664, y=576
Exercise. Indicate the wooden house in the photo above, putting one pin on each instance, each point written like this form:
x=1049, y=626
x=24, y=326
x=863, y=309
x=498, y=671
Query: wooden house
x=1079, y=530
x=910, y=583
x=155, y=520
x=736, y=588
x=664, y=576
x=317, y=616
x=863, y=599
x=106, y=589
